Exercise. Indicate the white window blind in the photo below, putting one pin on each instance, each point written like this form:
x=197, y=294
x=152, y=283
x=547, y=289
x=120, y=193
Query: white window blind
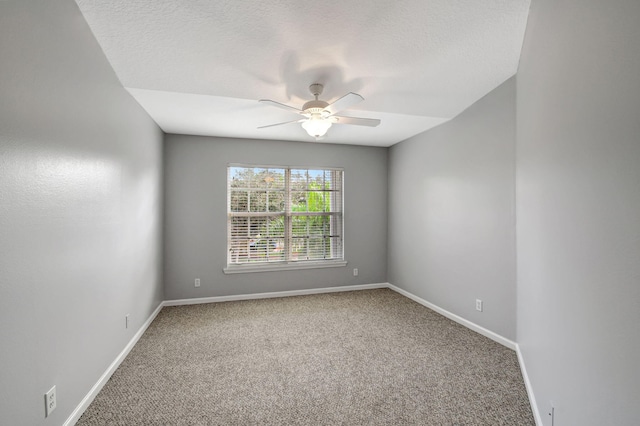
x=283, y=215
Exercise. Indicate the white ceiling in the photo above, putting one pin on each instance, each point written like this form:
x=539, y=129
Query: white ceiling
x=199, y=66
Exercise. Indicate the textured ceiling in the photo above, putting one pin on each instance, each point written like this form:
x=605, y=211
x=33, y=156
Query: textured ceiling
x=199, y=66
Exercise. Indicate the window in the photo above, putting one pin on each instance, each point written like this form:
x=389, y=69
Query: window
x=283, y=218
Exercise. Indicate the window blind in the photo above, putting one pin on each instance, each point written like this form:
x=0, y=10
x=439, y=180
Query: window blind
x=284, y=214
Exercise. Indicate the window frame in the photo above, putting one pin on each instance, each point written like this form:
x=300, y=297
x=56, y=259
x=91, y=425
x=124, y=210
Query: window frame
x=287, y=214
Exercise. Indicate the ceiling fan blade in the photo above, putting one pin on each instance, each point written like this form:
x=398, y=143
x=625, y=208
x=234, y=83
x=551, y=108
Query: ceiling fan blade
x=371, y=122
x=279, y=105
x=344, y=102
x=280, y=124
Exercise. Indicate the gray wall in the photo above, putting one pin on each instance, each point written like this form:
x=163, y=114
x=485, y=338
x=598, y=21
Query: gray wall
x=578, y=209
x=80, y=199
x=196, y=214
x=451, y=213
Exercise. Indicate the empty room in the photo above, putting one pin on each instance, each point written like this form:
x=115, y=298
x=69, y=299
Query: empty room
x=316, y=213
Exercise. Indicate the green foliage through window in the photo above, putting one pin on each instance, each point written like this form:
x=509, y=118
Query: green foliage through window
x=279, y=214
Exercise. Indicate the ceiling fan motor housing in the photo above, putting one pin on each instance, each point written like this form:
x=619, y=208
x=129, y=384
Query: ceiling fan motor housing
x=314, y=106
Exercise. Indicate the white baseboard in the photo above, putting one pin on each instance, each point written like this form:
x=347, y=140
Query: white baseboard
x=491, y=335
x=470, y=325
x=217, y=299
x=527, y=385
x=73, y=418
x=84, y=404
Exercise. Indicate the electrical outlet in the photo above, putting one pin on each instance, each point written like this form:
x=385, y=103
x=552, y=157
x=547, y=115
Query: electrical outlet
x=355, y=272
x=197, y=282
x=478, y=305
x=126, y=321
x=50, y=401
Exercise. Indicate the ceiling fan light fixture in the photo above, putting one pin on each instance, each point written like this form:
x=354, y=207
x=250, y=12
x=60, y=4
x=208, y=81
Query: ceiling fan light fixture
x=320, y=115
x=316, y=126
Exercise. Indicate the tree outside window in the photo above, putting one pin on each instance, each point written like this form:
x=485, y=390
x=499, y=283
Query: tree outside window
x=280, y=214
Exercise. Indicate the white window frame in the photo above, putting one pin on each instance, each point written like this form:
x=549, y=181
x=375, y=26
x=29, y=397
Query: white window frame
x=288, y=264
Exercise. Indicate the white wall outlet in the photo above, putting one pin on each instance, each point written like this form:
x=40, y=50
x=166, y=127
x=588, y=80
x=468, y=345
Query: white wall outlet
x=197, y=283
x=355, y=272
x=50, y=401
x=126, y=321
x=478, y=305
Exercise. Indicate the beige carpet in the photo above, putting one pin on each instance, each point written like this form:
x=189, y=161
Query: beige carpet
x=371, y=357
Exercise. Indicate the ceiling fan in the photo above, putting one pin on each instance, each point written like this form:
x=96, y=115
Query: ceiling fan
x=320, y=115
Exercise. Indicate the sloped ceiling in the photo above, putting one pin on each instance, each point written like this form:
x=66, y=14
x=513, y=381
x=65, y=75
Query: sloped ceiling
x=199, y=66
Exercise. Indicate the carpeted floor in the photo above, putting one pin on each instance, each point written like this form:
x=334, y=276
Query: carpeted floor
x=371, y=357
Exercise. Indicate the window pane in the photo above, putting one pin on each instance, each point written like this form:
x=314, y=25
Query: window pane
x=316, y=179
x=319, y=248
x=238, y=250
x=259, y=178
x=316, y=201
x=328, y=179
x=239, y=177
x=276, y=227
x=299, y=226
x=239, y=227
x=257, y=227
x=299, y=201
x=319, y=225
x=276, y=201
x=275, y=179
x=258, y=201
x=298, y=249
x=336, y=247
x=276, y=249
x=298, y=180
x=239, y=201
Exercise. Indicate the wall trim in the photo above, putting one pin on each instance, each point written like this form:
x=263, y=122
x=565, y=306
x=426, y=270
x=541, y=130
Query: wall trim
x=277, y=267
x=527, y=384
x=465, y=322
x=491, y=335
x=288, y=293
x=86, y=401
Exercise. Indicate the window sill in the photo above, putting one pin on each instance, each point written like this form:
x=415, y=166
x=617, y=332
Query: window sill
x=293, y=266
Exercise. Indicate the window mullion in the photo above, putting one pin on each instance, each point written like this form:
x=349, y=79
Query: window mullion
x=288, y=227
